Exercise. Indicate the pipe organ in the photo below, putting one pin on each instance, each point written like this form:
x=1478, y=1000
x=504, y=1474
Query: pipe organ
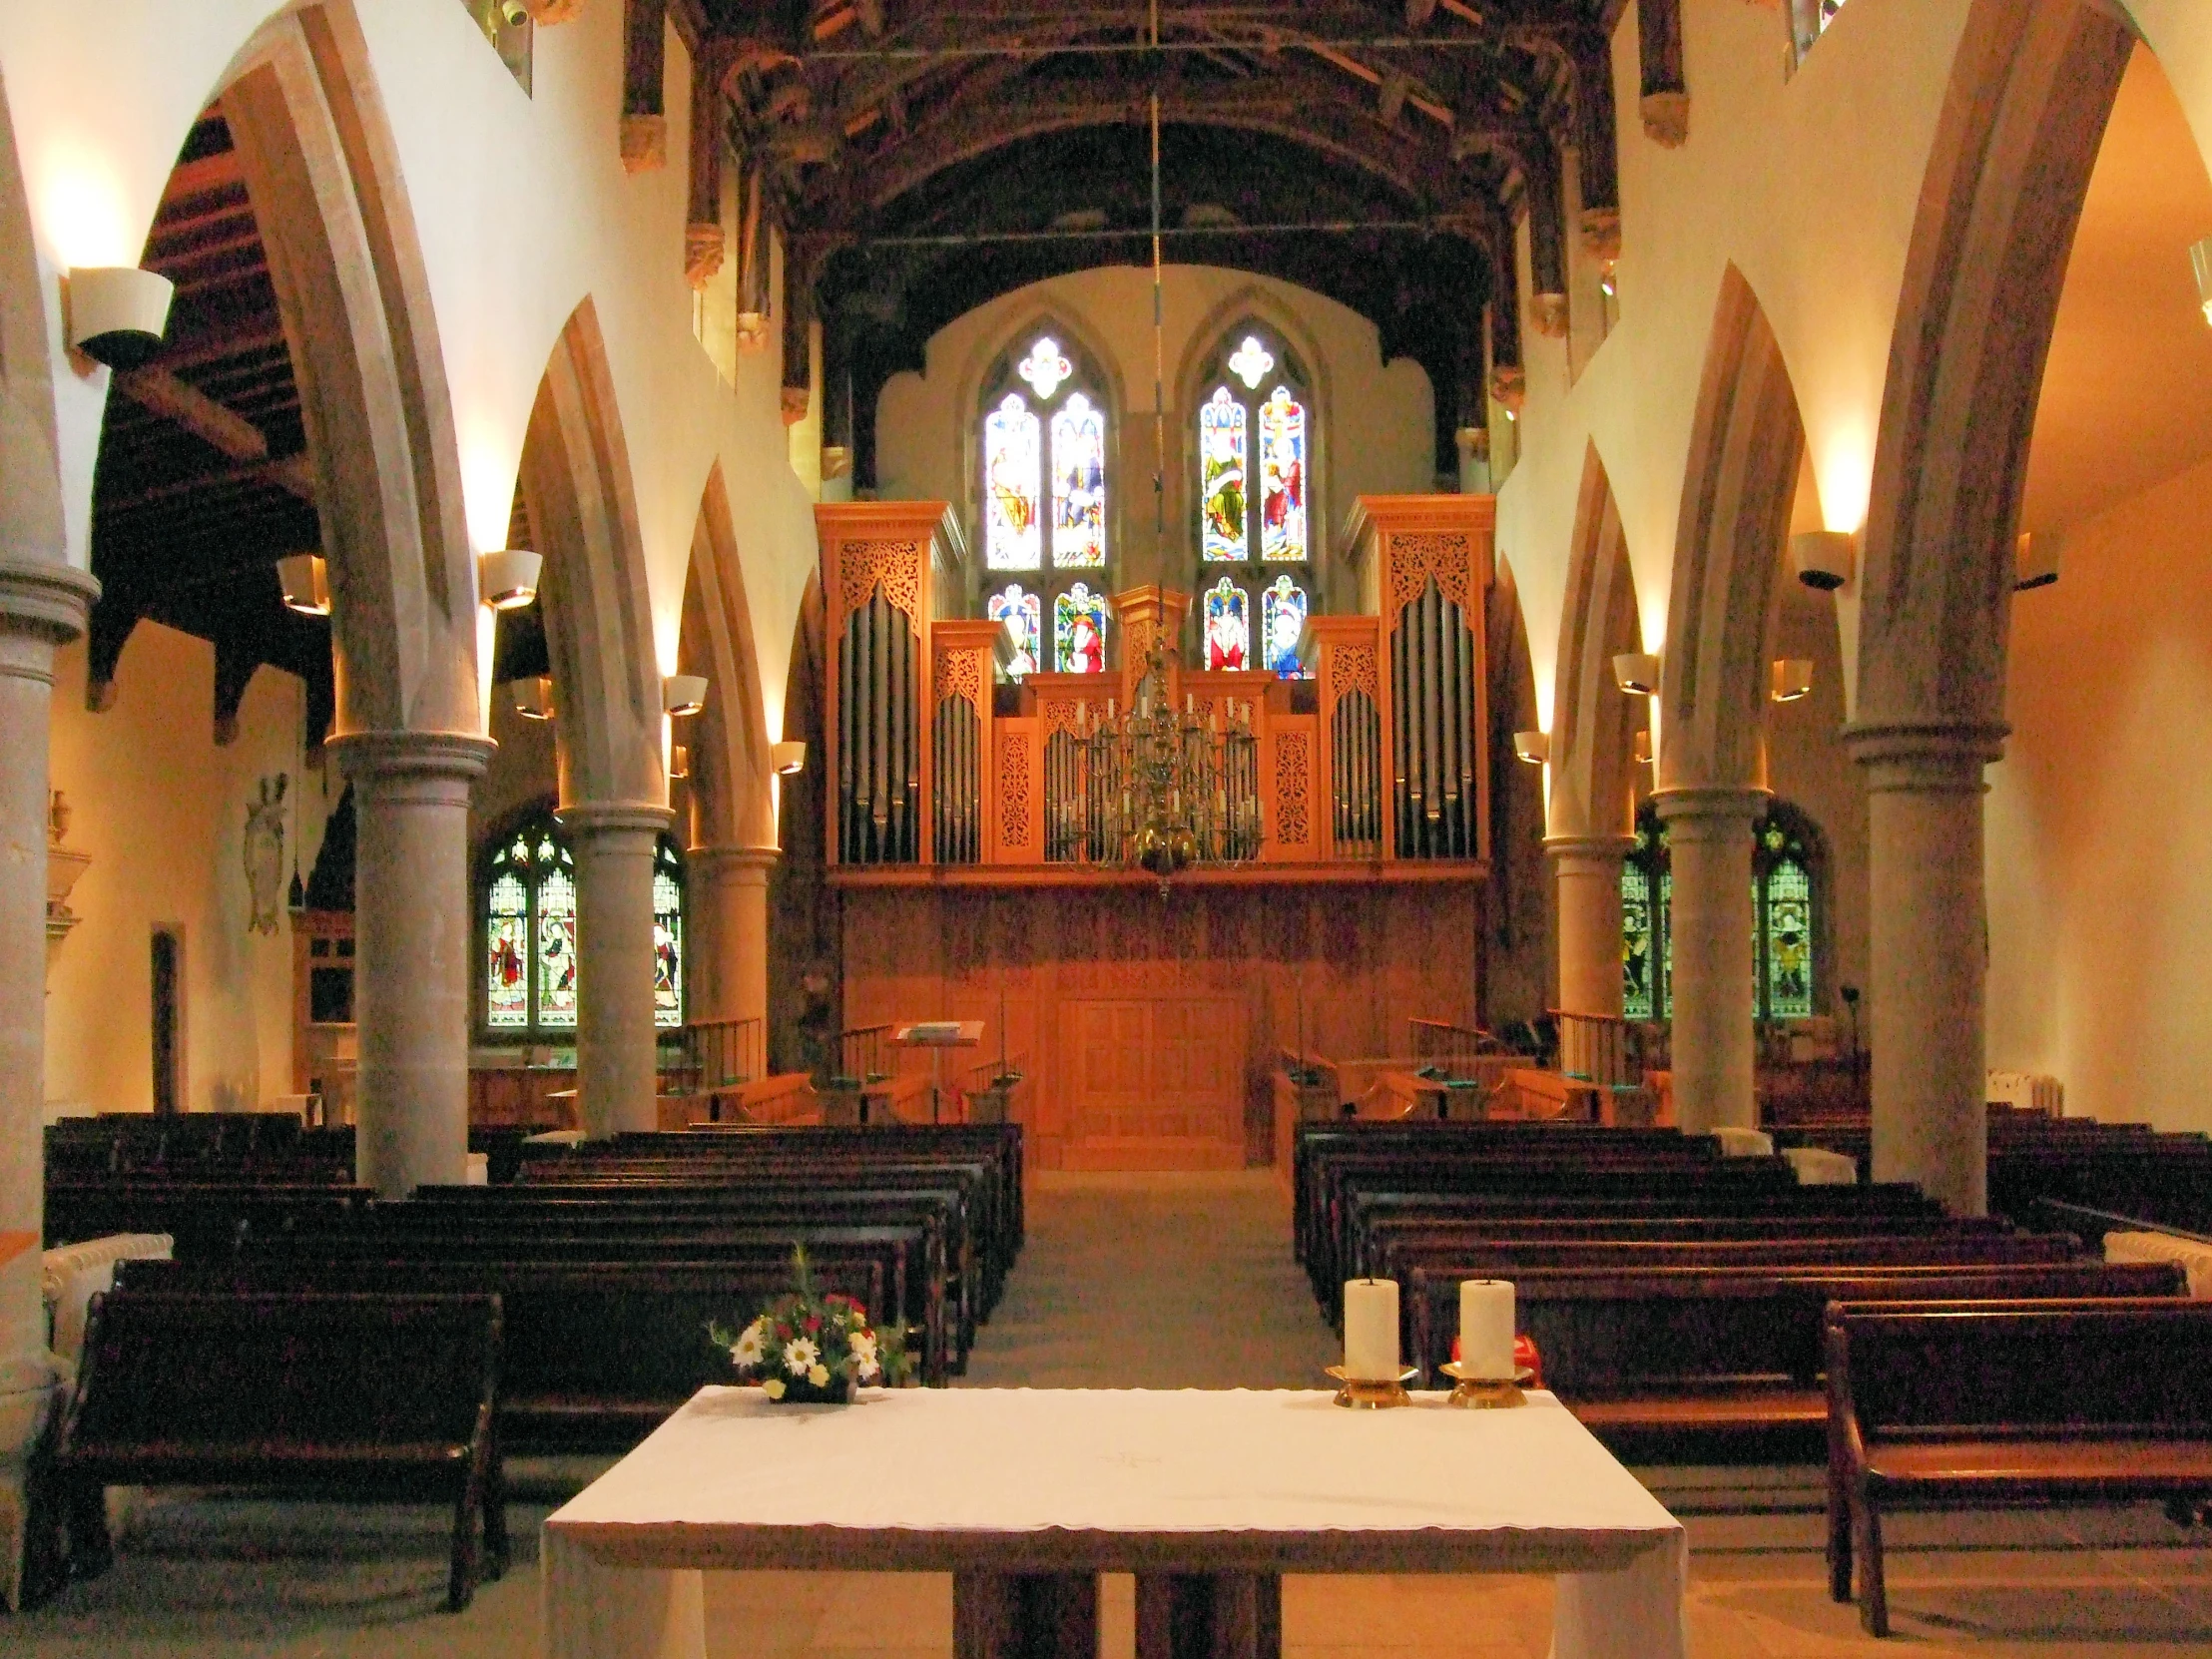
x=1374, y=767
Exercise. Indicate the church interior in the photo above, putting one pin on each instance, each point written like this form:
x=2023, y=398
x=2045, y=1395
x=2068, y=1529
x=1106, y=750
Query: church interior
x=1142, y=693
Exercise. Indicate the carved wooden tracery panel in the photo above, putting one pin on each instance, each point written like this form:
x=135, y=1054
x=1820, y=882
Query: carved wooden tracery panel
x=1293, y=789
x=1415, y=558
x=959, y=674
x=1352, y=668
x=1013, y=791
x=894, y=564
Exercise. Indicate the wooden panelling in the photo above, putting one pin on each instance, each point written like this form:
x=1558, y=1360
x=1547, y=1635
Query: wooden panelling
x=1149, y=1021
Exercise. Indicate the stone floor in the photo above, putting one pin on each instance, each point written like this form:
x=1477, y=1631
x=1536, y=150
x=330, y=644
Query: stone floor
x=1102, y=1297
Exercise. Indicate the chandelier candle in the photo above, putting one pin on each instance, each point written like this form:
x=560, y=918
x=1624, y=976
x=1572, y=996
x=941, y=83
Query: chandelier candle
x=1486, y=1329
x=1371, y=1329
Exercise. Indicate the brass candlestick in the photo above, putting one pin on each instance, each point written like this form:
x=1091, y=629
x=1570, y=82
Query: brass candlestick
x=1485, y=1393
x=1367, y=1393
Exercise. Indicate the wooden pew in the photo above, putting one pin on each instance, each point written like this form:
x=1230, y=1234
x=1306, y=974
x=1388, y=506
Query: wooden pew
x=597, y=1354
x=368, y=1394
x=1979, y=1403
x=1658, y=1359
x=204, y=1218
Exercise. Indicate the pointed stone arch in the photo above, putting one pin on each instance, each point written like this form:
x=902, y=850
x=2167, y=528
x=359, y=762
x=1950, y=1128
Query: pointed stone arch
x=598, y=615
x=729, y=790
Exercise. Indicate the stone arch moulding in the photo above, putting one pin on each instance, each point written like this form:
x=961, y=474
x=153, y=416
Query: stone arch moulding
x=1746, y=447
x=322, y=172
x=1594, y=723
x=731, y=798
x=598, y=616
x=33, y=527
x=2021, y=123
x=1068, y=322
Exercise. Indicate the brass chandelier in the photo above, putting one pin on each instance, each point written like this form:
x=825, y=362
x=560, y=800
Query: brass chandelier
x=1166, y=789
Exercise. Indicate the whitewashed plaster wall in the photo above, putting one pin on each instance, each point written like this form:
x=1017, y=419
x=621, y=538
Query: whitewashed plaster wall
x=523, y=212
x=161, y=810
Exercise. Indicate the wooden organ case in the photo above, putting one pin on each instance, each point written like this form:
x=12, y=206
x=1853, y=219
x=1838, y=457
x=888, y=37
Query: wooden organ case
x=1148, y=1019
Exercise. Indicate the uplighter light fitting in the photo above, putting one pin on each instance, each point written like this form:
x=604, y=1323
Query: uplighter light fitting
x=1637, y=672
x=788, y=758
x=307, y=581
x=683, y=694
x=507, y=577
x=1824, y=558
x=1643, y=749
x=533, y=697
x=118, y=314
x=1532, y=747
x=1793, y=679
x=2034, y=560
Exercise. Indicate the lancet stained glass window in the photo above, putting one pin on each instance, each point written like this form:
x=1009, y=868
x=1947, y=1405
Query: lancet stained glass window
x=1022, y=616
x=1079, y=631
x=1254, y=453
x=1784, y=908
x=1078, y=485
x=1281, y=479
x=1227, y=627
x=1220, y=450
x=527, y=909
x=1012, y=456
x=1281, y=622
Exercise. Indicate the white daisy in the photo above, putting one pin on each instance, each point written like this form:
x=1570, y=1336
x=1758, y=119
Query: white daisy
x=863, y=1353
x=749, y=1346
x=800, y=1356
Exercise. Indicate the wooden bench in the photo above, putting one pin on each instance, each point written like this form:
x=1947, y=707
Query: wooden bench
x=1975, y=1404
x=1729, y=1361
x=597, y=1354
x=390, y=1396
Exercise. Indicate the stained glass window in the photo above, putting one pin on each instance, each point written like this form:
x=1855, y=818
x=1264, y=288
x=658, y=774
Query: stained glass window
x=1221, y=447
x=1078, y=484
x=1282, y=622
x=1079, y=631
x=1252, y=362
x=1012, y=458
x=1638, y=959
x=1784, y=909
x=528, y=909
x=1228, y=626
x=1281, y=479
x=1045, y=367
x=1023, y=617
x=668, y=938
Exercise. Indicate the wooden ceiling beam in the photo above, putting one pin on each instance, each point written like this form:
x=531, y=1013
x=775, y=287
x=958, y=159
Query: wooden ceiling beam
x=161, y=392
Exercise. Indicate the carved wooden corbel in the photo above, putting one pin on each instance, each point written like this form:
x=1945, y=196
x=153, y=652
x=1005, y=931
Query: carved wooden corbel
x=1666, y=95
x=644, y=69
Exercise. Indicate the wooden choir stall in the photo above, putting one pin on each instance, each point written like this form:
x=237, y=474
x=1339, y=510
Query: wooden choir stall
x=985, y=834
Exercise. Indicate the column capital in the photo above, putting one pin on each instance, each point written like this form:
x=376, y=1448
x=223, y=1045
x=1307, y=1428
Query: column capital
x=1925, y=760
x=715, y=861
x=1613, y=847
x=46, y=597
x=1719, y=803
x=382, y=756
x=604, y=817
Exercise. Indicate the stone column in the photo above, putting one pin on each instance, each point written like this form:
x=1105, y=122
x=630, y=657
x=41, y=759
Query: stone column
x=42, y=605
x=617, y=1077
x=728, y=921
x=1587, y=869
x=1928, y=956
x=414, y=946
x=1710, y=925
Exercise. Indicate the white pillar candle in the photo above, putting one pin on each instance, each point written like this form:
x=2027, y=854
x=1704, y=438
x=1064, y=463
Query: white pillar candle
x=1486, y=1329
x=1371, y=1329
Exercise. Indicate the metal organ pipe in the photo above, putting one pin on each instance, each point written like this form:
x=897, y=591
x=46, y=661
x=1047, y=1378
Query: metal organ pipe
x=1468, y=805
x=1432, y=713
x=844, y=719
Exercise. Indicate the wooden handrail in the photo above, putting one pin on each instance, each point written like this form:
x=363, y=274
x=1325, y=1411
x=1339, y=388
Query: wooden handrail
x=1599, y=1047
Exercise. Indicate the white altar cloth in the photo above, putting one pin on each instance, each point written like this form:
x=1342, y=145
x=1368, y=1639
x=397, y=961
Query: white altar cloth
x=1108, y=1480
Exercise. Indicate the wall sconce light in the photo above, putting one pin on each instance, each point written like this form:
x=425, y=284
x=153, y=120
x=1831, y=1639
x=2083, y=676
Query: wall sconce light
x=788, y=758
x=533, y=697
x=507, y=577
x=1792, y=679
x=2035, y=560
x=118, y=312
x=307, y=581
x=1637, y=672
x=1532, y=747
x=1643, y=751
x=683, y=694
x=679, y=761
x=2200, y=260
x=1824, y=558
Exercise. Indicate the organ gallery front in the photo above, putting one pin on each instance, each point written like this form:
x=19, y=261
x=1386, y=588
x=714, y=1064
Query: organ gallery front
x=996, y=834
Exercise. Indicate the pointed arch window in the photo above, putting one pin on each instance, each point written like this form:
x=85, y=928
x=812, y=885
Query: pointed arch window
x=529, y=963
x=1254, y=515
x=1784, y=908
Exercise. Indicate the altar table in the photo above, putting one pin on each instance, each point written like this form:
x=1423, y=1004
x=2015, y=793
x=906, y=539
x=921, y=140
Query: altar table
x=1026, y=1495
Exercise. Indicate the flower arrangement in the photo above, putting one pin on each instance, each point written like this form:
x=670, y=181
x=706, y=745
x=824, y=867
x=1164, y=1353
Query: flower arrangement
x=810, y=1347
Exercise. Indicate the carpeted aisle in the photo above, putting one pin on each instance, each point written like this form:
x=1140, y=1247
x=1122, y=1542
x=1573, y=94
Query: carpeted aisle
x=1156, y=1281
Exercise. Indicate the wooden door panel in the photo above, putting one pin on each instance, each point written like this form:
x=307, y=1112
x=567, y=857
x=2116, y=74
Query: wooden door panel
x=1159, y=1082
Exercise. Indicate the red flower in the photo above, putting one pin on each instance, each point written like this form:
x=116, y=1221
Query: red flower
x=813, y=1323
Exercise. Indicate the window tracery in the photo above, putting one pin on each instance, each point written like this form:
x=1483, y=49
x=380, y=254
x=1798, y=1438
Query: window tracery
x=1255, y=431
